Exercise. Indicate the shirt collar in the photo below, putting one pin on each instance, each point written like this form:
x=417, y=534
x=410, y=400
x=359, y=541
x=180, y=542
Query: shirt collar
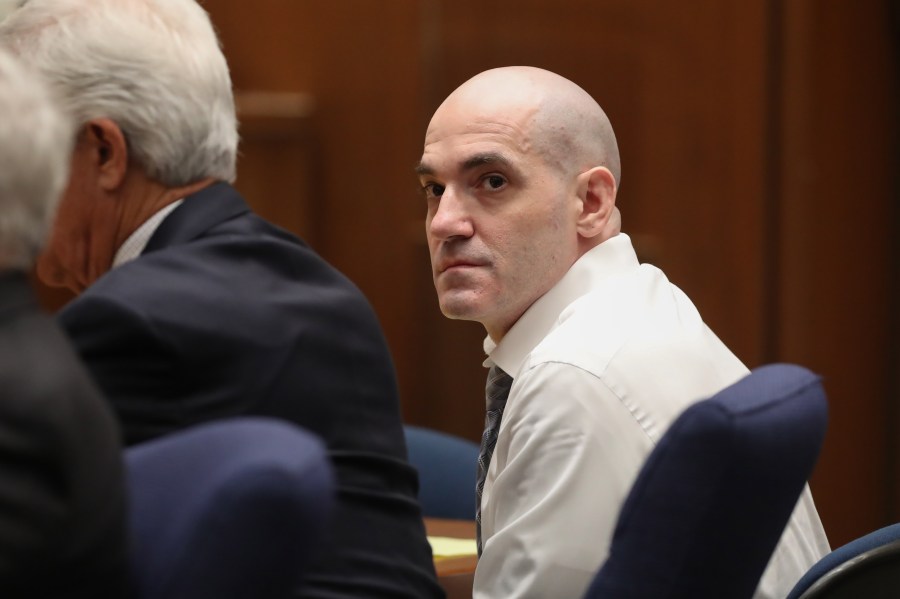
x=137, y=241
x=611, y=258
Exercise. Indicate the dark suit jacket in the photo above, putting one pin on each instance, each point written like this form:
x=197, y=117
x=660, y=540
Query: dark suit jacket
x=226, y=314
x=62, y=495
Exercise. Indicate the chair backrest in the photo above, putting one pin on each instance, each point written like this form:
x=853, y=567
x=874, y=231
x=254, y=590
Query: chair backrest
x=867, y=567
x=447, y=469
x=232, y=510
x=712, y=500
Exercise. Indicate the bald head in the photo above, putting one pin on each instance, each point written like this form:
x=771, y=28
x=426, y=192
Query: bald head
x=559, y=120
x=519, y=172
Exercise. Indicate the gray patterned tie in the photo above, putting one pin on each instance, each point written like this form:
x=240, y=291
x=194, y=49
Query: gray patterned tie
x=496, y=392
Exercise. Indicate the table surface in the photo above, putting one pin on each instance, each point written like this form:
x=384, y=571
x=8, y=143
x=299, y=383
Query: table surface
x=455, y=574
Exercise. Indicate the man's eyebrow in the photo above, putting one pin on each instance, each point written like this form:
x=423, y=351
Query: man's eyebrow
x=473, y=162
x=485, y=159
x=423, y=169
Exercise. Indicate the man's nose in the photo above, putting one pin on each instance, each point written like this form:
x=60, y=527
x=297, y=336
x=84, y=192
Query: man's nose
x=452, y=218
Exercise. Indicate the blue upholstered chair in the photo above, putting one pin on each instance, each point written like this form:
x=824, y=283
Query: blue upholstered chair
x=865, y=568
x=231, y=510
x=447, y=468
x=713, y=498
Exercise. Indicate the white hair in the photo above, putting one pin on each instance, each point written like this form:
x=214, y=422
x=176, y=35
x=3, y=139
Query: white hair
x=35, y=147
x=154, y=67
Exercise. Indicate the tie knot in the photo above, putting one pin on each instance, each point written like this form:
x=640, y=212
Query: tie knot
x=497, y=388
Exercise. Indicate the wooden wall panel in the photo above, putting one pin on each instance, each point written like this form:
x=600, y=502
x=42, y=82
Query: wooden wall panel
x=279, y=159
x=838, y=269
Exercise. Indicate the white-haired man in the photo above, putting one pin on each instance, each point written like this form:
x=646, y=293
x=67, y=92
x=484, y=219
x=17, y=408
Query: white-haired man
x=592, y=355
x=62, y=498
x=191, y=307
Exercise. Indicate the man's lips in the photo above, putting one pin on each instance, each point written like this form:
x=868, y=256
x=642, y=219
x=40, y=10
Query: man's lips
x=445, y=266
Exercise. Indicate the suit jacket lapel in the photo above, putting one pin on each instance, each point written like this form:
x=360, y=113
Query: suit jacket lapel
x=197, y=214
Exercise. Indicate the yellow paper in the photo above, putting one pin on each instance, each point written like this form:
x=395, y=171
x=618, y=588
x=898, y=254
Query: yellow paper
x=449, y=547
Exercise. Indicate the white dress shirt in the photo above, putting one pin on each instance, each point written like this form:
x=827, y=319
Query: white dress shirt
x=601, y=365
x=137, y=241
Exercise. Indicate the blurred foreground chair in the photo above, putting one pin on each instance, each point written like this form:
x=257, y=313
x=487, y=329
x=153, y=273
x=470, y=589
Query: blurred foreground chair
x=227, y=510
x=865, y=568
x=711, y=502
x=447, y=468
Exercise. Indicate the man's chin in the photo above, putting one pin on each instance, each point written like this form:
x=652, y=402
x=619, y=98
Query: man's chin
x=459, y=308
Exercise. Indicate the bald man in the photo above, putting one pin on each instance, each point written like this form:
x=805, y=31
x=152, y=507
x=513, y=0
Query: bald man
x=591, y=354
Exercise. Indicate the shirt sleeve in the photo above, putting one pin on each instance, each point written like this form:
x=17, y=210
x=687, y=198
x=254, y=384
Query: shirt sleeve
x=567, y=453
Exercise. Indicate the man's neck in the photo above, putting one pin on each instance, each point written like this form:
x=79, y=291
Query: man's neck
x=143, y=197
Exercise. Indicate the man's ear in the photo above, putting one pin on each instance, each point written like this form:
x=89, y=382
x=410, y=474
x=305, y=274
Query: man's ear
x=597, y=192
x=108, y=152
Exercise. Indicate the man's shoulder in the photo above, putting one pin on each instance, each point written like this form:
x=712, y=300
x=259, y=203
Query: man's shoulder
x=245, y=283
x=613, y=326
x=230, y=259
x=592, y=329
